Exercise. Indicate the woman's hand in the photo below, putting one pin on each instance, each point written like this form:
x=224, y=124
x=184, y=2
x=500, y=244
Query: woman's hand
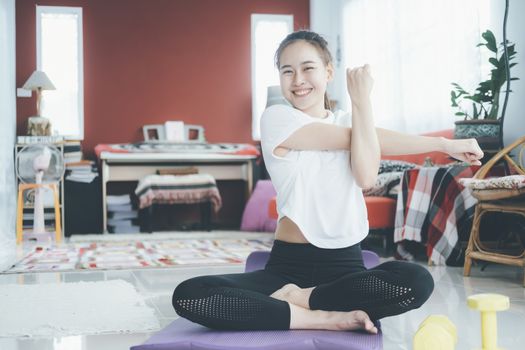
x=359, y=83
x=466, y=150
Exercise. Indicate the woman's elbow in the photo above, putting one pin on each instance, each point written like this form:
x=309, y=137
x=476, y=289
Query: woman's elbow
x=366, y=181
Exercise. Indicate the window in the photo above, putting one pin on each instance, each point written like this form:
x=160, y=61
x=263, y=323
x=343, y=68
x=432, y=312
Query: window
x=416, y=49
x=59, y=55
x=267, y=33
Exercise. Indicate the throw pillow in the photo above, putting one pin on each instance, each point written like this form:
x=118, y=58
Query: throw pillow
x=387, y=166
x=383, y=184
x=255, y=215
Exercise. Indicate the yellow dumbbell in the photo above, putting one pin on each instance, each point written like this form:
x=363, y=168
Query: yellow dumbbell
x=436, y=332
x=489, y=304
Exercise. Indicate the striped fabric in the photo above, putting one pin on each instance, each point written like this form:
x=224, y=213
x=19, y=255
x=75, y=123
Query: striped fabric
x=173, y=189
x=435, y=209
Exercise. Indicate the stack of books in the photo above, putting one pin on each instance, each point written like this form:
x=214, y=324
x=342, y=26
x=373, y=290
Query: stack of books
x=72, y=152
x=82, y=171
x=122, y=217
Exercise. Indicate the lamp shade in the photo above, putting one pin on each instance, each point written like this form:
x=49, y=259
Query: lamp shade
x=37, y=80
x=275, y=96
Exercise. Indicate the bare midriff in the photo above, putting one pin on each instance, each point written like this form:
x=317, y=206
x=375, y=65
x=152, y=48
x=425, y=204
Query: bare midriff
x=288, y=231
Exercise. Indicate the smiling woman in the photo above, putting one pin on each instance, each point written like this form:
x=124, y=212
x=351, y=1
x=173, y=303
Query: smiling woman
x=7, y=133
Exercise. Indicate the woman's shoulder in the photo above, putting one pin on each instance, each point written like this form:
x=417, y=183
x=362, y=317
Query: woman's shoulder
x=280, y=114
x=278, y=109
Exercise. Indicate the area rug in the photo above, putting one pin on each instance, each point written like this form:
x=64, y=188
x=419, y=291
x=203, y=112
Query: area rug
x=64, y=309
x=135, y=254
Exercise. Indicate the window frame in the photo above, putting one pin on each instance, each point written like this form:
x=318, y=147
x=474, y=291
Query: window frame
x=255, y=19
x=80, y=54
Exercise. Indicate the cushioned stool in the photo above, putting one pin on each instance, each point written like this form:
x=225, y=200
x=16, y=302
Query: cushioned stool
x=178, y=189
x=182, y=334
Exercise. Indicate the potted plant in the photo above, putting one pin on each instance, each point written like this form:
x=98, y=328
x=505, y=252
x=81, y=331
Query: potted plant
x=481, y=109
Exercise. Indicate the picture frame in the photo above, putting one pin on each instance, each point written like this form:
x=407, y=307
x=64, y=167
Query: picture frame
x=154, y=133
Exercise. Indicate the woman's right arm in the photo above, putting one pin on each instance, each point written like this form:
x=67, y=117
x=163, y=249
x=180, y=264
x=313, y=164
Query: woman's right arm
x=319, y=136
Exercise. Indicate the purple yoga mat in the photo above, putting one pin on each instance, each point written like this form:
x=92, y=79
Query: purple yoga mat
x=257, y=260
x=182, y=334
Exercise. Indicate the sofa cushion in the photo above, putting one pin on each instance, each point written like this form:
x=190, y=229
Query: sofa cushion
x=381, y=212
x=512, y=182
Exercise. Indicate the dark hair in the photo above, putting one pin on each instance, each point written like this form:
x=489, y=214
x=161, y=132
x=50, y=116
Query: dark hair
x=313, y=39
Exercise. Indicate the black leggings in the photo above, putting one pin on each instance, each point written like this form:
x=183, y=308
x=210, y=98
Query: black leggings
x=241, y=301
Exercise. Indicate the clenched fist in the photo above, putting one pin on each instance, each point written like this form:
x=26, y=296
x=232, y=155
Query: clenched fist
x=466, y=150
x=359, y=83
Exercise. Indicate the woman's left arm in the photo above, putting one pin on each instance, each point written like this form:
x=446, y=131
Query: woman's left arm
x=364, y=142
x=396, y=143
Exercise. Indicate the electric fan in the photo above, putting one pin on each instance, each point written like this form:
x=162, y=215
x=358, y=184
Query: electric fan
x=37, y=166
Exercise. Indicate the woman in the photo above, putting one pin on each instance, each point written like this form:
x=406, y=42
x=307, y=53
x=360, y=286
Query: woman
x=315, y=277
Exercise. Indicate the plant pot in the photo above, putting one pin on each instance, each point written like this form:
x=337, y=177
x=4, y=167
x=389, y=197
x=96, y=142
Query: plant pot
x=485, y=131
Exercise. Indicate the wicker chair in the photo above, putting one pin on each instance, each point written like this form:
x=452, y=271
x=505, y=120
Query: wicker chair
x=502, y=200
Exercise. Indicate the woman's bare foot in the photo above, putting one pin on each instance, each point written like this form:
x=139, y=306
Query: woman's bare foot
x=301, y=318
x=353, y=320
x=292, y=294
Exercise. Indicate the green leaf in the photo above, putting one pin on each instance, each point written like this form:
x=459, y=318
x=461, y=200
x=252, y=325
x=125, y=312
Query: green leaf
x=511, y=49
x=491, y=41
x=493, y=61
x=459, y=113
x=475, y=98
x=459, y=89
x=453, y=99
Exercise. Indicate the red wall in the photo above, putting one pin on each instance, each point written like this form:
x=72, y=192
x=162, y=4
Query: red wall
x=148, y=61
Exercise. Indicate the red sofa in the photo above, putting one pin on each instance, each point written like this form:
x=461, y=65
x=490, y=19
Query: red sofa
x=382, y=210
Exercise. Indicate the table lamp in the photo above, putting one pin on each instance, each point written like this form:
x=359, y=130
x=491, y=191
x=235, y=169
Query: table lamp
x=38, y=125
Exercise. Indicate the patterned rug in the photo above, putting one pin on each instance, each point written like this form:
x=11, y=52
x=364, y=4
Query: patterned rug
x=126, y=254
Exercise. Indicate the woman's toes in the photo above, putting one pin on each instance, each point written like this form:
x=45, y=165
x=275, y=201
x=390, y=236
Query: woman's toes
x=365, y=322
x=356, y=320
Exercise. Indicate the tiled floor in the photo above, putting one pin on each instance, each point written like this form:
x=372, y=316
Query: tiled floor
x=449, y=298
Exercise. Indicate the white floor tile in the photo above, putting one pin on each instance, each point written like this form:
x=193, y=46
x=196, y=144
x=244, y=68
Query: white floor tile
x=449, y=298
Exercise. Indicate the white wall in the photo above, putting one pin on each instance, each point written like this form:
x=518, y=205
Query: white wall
x=7, y=133
x=514, y=123
x=326, y=20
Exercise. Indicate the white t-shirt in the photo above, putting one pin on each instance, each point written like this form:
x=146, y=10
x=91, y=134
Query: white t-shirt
x=315, y=189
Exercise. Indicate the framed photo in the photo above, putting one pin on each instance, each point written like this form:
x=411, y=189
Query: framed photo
x=194, y=133
x=154, y=133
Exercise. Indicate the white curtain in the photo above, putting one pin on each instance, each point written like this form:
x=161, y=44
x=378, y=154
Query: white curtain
x=7, y=133
x=416, y=49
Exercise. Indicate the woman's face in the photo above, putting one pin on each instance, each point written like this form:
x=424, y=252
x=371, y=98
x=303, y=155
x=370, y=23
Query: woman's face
x=304, y=77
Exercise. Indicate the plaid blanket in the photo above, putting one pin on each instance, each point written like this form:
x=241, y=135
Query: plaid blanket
x=435, y=209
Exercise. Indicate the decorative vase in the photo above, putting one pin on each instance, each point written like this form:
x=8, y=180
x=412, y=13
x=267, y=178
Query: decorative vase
x=485, y=131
